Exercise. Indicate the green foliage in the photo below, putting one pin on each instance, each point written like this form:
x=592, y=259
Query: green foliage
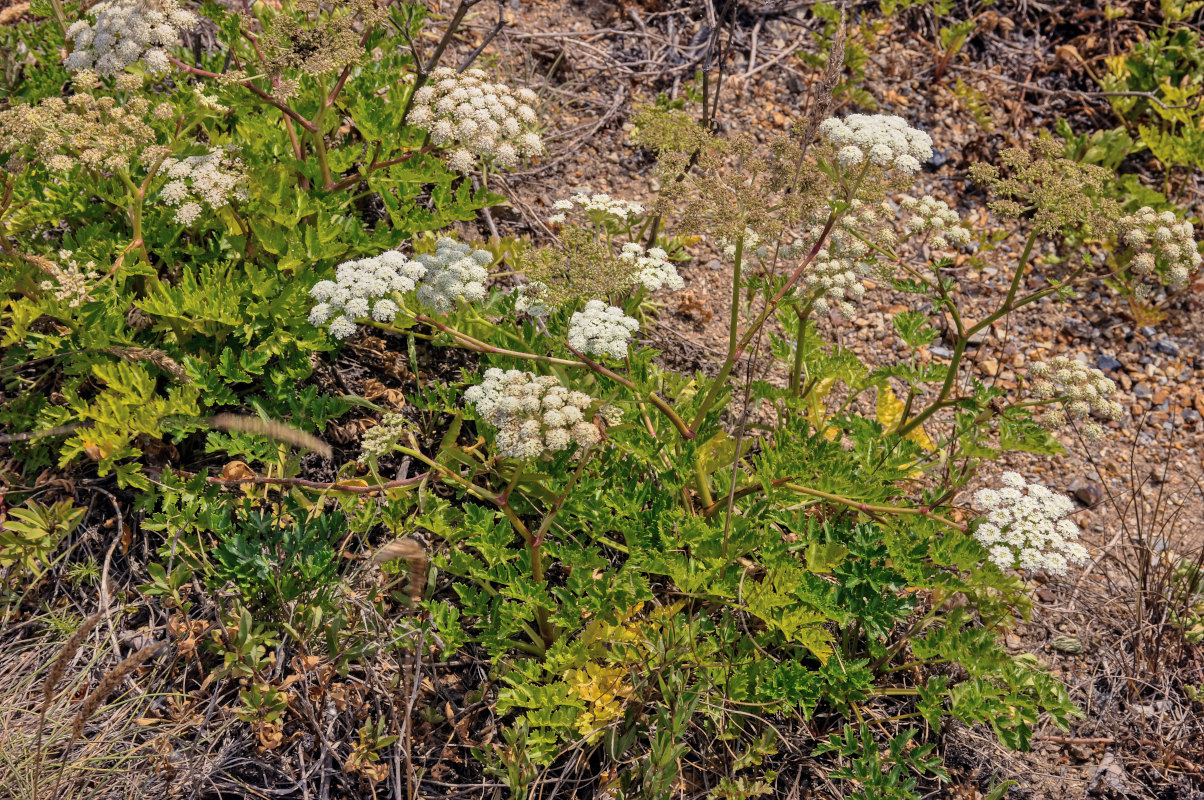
x=28, y=539
x=1158, y=86
x=273, y=562
x=882, y=777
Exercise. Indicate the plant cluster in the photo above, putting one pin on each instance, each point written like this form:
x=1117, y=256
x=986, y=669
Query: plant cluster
x=638, y=562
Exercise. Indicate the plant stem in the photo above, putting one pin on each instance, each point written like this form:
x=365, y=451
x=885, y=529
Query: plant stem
x=734, y=325
x=959, y=348
x=734, y=356
x=800, y=339
x=872, y=509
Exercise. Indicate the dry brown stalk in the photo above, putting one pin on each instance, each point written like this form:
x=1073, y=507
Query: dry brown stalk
x=57, y=670
x=822, y=96
x=92, y=702
x=107, y=684
x=415, y=558
x=273, y=430
x=157, y=357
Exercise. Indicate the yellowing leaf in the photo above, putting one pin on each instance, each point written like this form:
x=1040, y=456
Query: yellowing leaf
x=890, y=413
x=817, y=640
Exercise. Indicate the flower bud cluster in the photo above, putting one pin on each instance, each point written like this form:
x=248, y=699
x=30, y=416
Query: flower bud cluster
x=652, y=267
x=1082, y=390
x=886, y=141
x=930, y=214
x=123, y=31
x=859, y=227
x=69, y=280
x=599, y=208
x=213, y=179
x=488, y=120
x=455, y=270
x=1027, y=527
x=833, y=280
x=378, y=442
x=1161, y=240
x=601, y=330
x=752, y=246
x=363, y=288
x=534, y=414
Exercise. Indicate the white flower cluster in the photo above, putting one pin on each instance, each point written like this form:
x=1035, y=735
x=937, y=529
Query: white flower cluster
x=489, y=120
x=363, y=288
x=598, y=208
x=1026, y=526
x=533, y=414
x=834, y=277
x=69, y=281
x=1083, y=391
x=886, y=141
x=601, y=330
x=455, y=270
x=212, y=179
x=123, y=31
x=930, y=214
x=833, y=283
x=653, y=269
x=1155, y=236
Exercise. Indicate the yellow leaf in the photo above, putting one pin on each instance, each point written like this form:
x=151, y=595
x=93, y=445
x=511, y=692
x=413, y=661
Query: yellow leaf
x=817, y=413
x=1117, y=65
x=890, y=413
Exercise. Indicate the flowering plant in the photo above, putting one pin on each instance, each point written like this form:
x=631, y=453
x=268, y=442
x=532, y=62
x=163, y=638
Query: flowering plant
x=638, y=552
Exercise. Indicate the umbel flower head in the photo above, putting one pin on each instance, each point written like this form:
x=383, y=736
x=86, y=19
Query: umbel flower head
x=68, y=280
x=833, y=282
x=1161, y=245
x=455, y=270
x=315, y=40
x=601, y=330
x=212, y=179
x=1081, y=390
x=121, y=32
x=488, y=120
x=1027, y=527
x=379, y=441
x=1060, y=194
x=82, y=129
x=652, y=268
x=363, y=288
x=611, y=213
x=886, y=141
x=534, y=414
